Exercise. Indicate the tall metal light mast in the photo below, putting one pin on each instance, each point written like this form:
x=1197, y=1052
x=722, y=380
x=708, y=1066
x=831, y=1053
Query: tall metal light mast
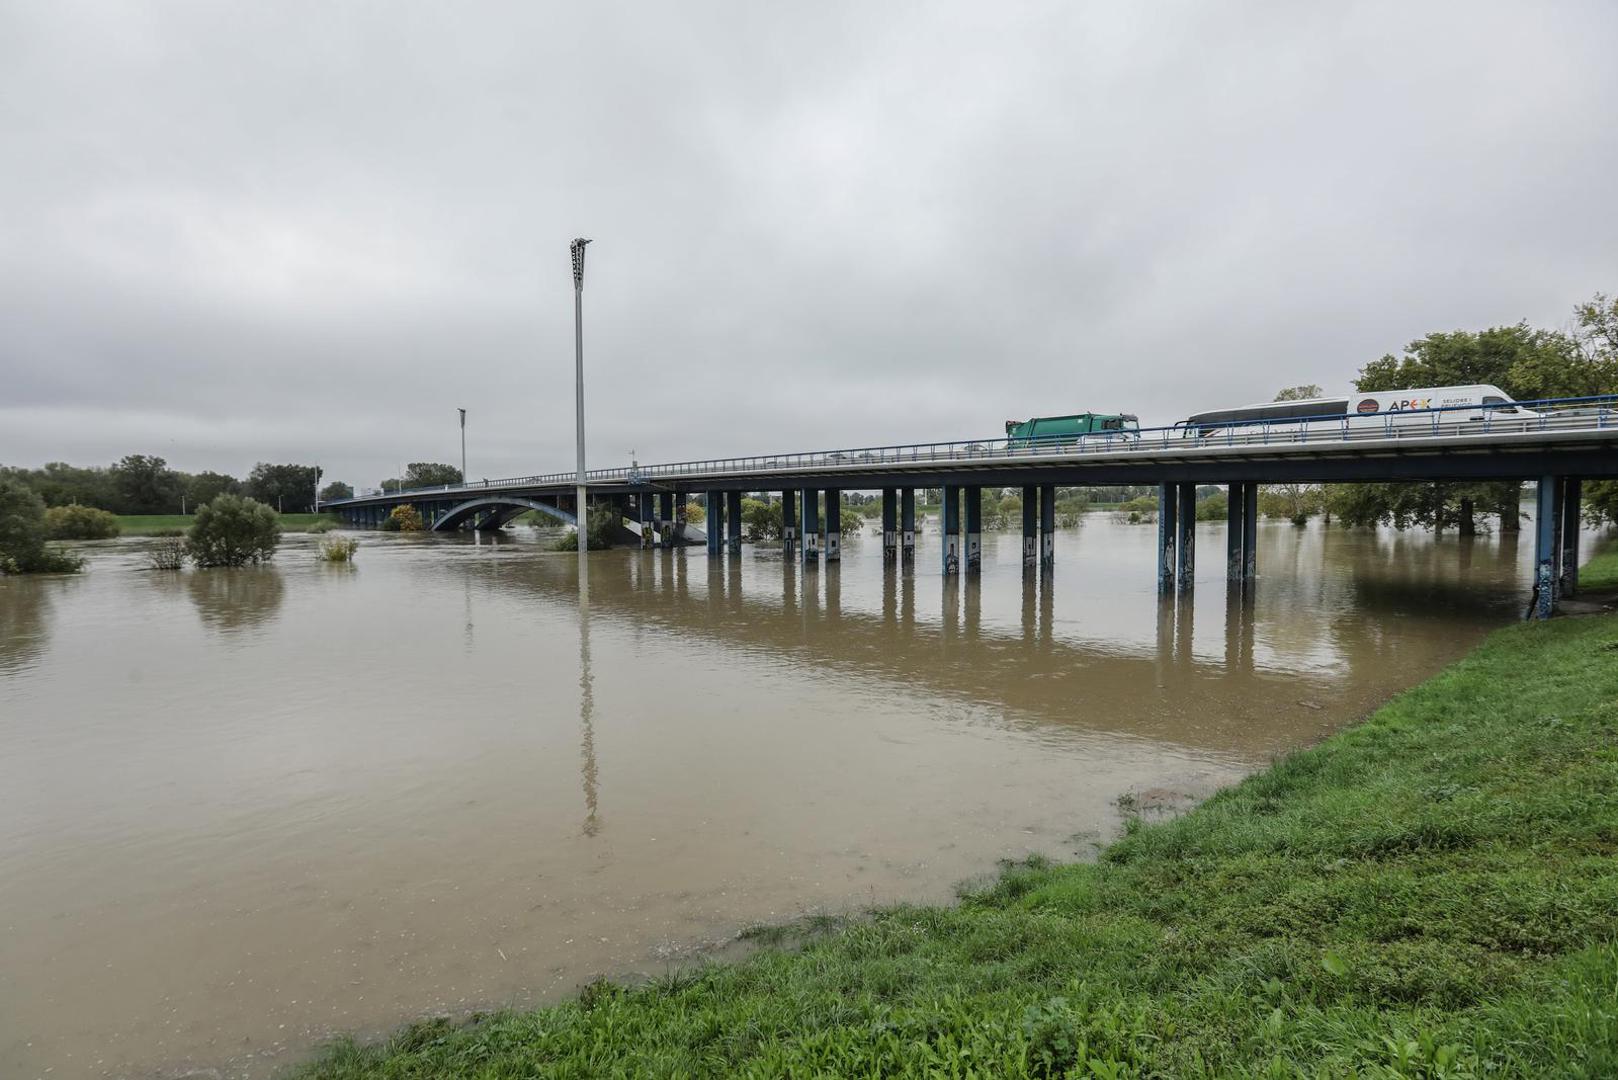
x=577, y=248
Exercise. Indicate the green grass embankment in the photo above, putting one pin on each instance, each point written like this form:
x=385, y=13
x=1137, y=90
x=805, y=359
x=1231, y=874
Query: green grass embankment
x=1432, y=893
x=1600, y=574
x=150, y=524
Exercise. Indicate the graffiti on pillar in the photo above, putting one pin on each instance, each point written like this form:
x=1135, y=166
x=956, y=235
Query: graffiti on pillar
x=952, y=557
x=974, y=552
x=833, y=545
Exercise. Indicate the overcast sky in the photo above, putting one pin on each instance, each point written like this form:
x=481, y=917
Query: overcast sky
x=309, y=231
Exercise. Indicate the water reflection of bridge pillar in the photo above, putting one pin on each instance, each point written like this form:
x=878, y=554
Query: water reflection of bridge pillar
x=834, y=592
x=1030, y=607
x=907, y=603
x=589, y=771
x=950, y=610
x=890, y=600
x=973, y=587
x=1239, y=630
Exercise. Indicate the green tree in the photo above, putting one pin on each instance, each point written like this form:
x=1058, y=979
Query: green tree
x=61, y=484
x=420, y=474
x=1307, y=392
x=761, y=520
x=233, y=531
x=289, y=489
x=80, y=523
x=207, y=486
x=336, y=490
x=22, y=533
x=144, y=484
x=1296, y=503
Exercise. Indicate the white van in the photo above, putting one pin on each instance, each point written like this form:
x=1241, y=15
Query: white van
x=1433, y=408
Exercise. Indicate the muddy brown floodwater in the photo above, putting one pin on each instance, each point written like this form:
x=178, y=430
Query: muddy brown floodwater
x=242, y=810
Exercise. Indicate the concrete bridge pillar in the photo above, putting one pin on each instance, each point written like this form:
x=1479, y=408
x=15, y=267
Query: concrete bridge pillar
x=1548, y=526
x=890, y=525
x=809, y=525
x=907, y=525
x=1572, y=497
x=974, y=528
x=1030, y=525
x=834, y=525
x=1185, y=539
x=1168, y=508
x=733, y=521
x=1235, y=532
x=665, y=518
x=648, y=519
x=716, y=522
x=789, y=524
x=949, y=515
x=1047, y=526
x=1249, y=532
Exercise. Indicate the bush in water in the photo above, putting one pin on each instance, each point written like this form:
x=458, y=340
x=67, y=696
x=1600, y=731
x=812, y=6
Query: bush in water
x=80, y=523
x=233, y=531
x=22, y=534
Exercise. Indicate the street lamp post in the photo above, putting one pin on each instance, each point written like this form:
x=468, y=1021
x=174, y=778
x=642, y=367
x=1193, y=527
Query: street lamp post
x=577, y=248
x=463, y=447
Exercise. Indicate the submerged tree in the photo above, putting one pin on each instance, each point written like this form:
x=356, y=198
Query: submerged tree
x=233, y=531
x=22, y=534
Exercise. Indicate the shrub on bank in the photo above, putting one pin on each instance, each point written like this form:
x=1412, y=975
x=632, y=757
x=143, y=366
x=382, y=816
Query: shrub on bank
x=166, y=553
x=80, y=523
x=233, y=530
x=23, y=533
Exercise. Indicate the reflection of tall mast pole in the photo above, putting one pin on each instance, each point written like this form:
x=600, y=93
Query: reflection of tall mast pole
x=587, y=739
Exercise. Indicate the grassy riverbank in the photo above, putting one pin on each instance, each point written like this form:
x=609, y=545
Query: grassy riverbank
x=1431, y=893
x=1600, y=574
x=152, y=524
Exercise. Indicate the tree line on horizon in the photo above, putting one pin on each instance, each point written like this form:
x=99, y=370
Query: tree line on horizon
x=144, y=484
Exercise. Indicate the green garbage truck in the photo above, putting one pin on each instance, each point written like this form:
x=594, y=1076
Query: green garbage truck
x=1054, y=430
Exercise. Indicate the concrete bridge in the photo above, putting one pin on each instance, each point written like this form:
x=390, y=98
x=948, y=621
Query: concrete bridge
x=1557, y=444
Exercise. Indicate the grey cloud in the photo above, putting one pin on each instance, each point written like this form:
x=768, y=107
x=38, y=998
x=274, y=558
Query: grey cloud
x=309, y=232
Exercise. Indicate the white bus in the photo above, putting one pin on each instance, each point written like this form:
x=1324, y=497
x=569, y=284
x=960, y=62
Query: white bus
x=1393, y=410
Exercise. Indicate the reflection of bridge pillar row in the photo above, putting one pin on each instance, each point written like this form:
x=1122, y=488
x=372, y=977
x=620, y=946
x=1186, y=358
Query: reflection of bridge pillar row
x=949, y=515
x=1547, y=533
x=834, y=524
x=1047, y=525
x=907, y=525
x=1249, y=532
x=789, y=524
x=1030, y=525
x=1185, y=540
x=974, y=528
x=1167, y=512
x=733, y=521
x=1572, y=496
x=716, y=522
x=648, y=519
x=890, y=525
x=809, y=525
x=1235, y=532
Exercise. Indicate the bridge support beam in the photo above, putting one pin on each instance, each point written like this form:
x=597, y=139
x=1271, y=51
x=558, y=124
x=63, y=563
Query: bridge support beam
x=648, y=519
x=1168, y=508
x=809, y=526
x=834, y=525
x=1547, y=533
x=949, y=516
x=1249, y=532
x=716, y=522
x=907, y=525
x=733, y=521
x=974, y=528
x=1030, y=526
x=1047, y=526
x=665, y=518
x=890, y=525
x=1235, y=530
x=789, y=524
x=1185, y=539
x=1572, y=511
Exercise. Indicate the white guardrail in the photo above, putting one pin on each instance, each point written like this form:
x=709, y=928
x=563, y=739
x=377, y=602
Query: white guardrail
x=1466, y=421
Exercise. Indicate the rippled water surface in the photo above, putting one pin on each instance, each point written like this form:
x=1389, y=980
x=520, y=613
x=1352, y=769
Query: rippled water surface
x=240, y=810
